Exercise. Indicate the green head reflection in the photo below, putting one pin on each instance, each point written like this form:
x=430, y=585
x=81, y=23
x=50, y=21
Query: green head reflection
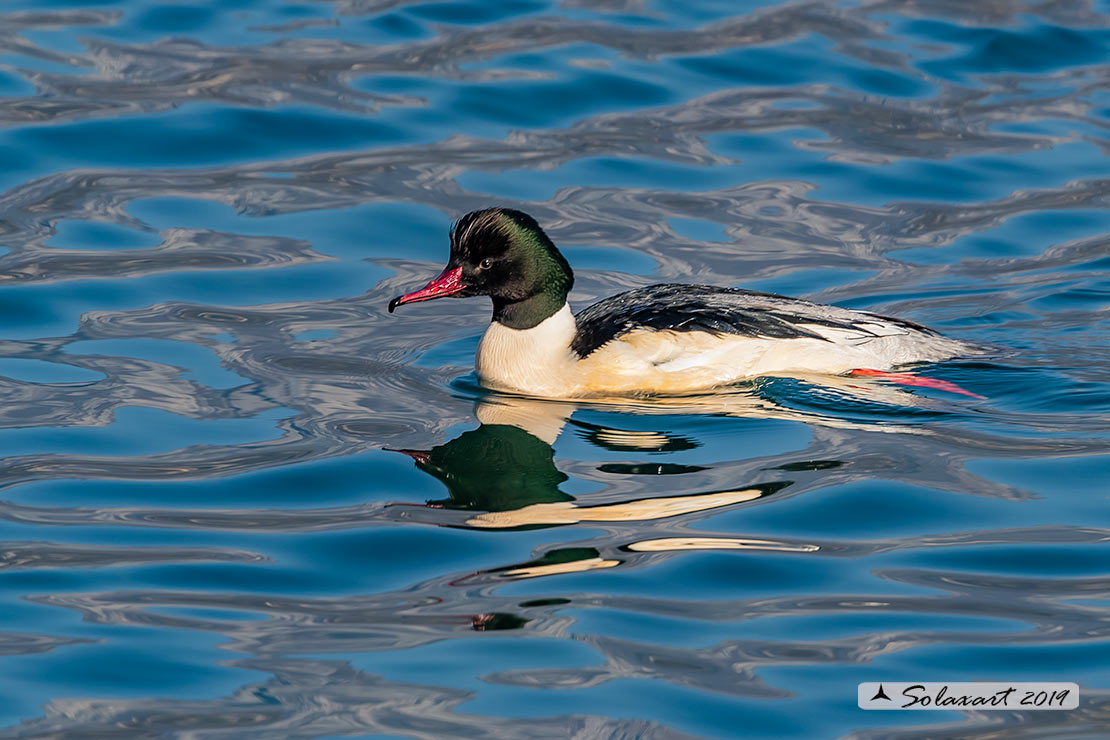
x=495, y=467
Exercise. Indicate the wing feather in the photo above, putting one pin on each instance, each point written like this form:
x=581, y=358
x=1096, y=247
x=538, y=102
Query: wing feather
x=692, y=308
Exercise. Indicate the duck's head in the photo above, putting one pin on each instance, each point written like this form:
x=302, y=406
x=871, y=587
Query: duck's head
x=504, y=254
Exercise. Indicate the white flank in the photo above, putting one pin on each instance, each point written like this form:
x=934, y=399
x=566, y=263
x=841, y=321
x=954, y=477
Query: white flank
x=539, y=362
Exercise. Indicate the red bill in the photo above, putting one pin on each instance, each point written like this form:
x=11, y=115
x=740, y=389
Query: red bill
x=448, y=282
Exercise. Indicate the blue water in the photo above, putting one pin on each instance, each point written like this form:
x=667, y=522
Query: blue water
x=240, y=500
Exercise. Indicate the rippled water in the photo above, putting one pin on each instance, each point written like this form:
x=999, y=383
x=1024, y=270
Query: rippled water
x=240, y=500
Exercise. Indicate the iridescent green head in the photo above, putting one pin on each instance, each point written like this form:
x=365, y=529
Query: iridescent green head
x=502, y=253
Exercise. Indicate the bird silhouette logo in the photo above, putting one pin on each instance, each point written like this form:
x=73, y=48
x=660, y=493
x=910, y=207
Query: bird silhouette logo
x=880, y=694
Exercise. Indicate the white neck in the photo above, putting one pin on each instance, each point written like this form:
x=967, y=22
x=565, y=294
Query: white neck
x=537, y=361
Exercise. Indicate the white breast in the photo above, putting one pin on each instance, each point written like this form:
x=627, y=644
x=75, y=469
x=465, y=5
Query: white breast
x=536, y=361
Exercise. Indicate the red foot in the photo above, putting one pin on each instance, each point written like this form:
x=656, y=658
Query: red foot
x=911, y=379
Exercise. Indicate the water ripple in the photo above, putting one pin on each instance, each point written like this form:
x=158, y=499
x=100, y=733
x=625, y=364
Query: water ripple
x=221, y=454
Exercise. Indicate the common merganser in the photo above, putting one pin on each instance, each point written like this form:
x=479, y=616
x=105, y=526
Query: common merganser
x=662, y=339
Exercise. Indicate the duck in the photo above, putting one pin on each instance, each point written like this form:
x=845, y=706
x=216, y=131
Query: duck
x=662, y=339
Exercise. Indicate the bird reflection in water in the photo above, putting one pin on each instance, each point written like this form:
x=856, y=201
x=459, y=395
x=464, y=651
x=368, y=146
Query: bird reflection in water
x=505, y=471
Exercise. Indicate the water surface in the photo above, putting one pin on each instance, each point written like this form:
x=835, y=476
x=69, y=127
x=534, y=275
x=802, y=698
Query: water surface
x=240, y=500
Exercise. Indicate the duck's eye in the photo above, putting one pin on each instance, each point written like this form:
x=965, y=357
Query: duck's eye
x=487, y=263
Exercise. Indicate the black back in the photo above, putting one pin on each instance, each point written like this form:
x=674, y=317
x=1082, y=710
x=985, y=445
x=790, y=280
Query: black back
x=681, y=308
